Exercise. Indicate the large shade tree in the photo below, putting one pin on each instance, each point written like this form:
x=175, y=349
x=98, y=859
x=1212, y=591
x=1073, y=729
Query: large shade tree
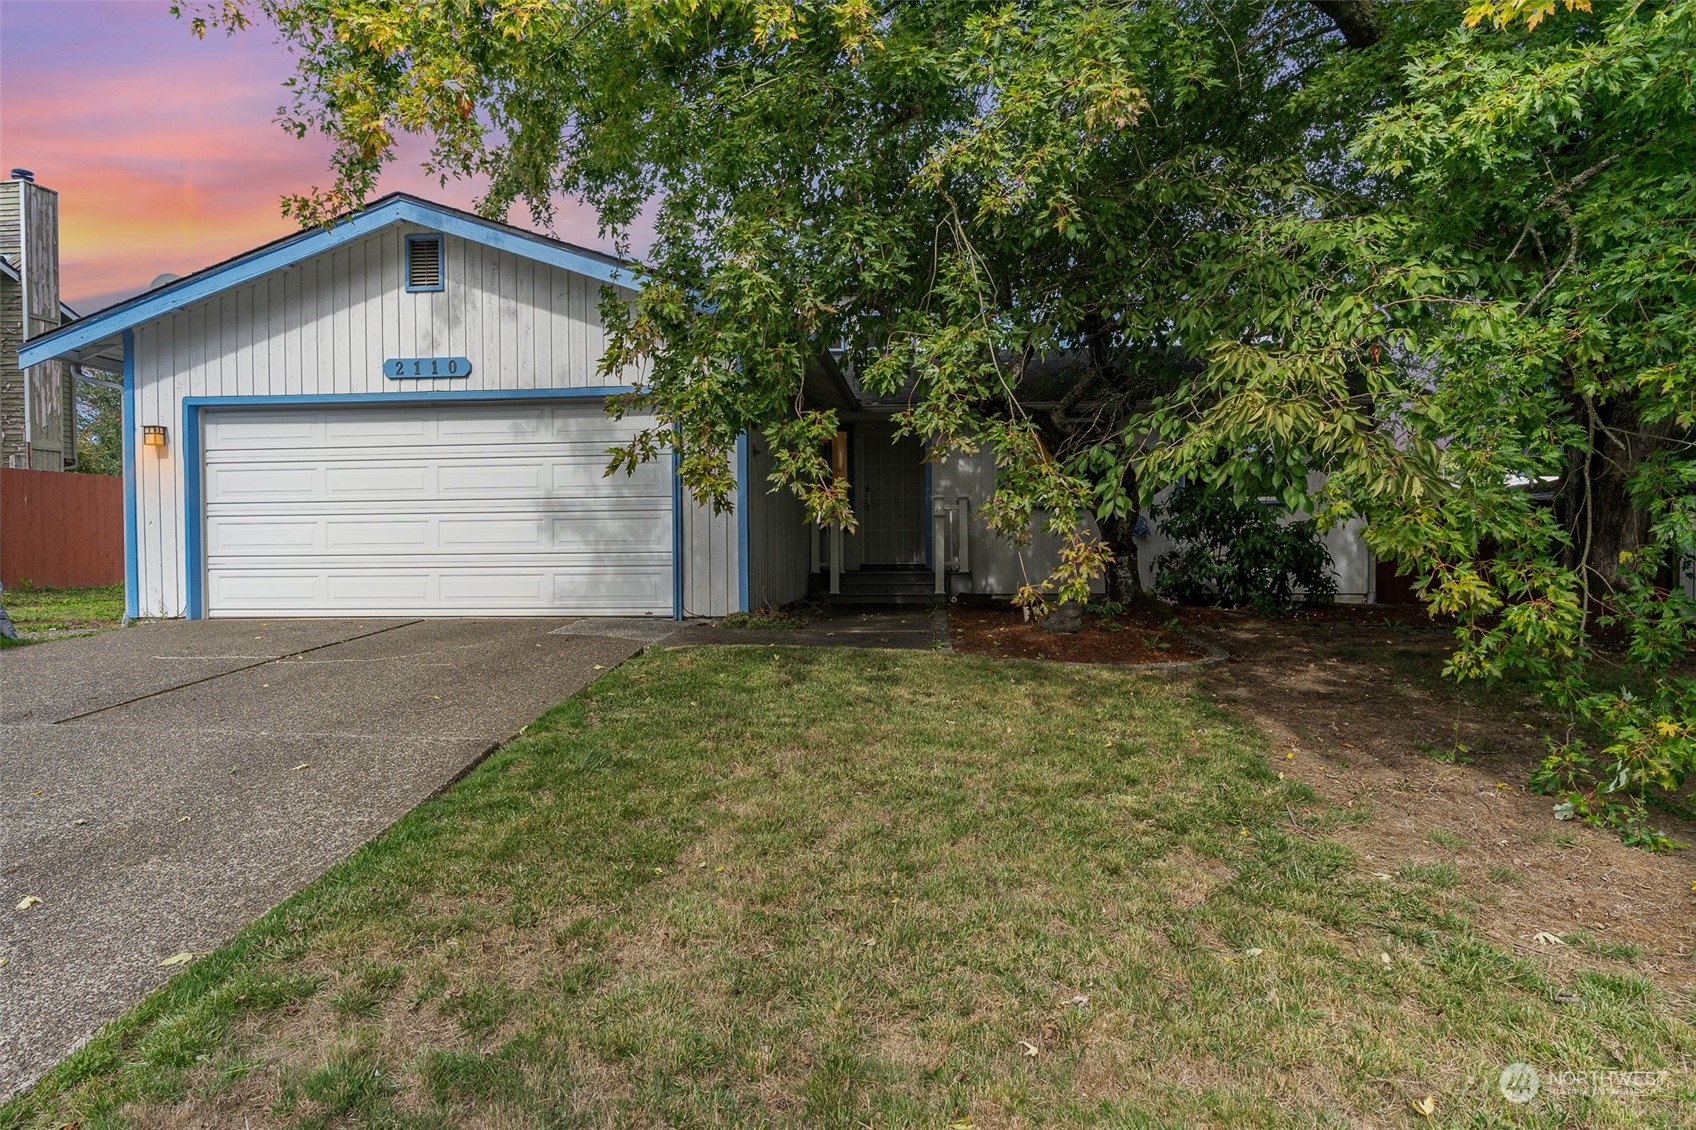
x=1375, y=259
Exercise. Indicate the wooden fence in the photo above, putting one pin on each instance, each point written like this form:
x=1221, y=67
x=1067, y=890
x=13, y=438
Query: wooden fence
x=61, y=530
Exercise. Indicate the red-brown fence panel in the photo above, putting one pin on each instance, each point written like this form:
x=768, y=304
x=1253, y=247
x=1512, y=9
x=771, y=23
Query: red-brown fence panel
x=61, y=530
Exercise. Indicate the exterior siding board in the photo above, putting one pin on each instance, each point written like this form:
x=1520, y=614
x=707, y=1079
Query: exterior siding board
x=325, y=326
x=779, y=549
x=711, y=561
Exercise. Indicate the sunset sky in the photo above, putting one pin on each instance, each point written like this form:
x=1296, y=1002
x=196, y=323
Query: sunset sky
x=163, y=148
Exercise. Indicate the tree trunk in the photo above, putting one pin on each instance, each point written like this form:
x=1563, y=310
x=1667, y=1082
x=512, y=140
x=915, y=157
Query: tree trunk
x=1358, y=20
x=1124, y=582
x=1595, y=504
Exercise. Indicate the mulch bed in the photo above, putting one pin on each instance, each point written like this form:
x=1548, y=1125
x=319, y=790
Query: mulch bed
x=1145, y=635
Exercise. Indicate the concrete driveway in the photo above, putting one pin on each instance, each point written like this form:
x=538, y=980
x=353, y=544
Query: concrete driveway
x=163, y=785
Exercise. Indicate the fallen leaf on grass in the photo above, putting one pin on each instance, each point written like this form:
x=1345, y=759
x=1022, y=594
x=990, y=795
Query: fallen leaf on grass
x=177, y=959
x=1426, y=1106
x=29, y=901
x=1028, y=1049
x=1544, y=938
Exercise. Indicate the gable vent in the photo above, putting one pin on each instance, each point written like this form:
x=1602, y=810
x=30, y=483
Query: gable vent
x=424, y=262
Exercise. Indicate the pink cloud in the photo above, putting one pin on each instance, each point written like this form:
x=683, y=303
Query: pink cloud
x=163, y=148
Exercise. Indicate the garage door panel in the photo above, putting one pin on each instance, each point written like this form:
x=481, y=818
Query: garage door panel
x=378, y=590
x=223, y=483
x=491, y=533
x=495, y=589
x=612, y=592
x=622, y=535
x=492, y=480
x=260, y=537
x=264, y=432
x=376, y=534
x=425, y=509
x=377, y=429
x=585, y=475
x=378, y=481
x=290, y=590
x=516, y=426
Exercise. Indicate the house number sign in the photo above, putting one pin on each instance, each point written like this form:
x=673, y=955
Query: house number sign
x=426, y=368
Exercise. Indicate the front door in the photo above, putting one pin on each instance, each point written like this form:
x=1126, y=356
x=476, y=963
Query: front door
x=892, y=499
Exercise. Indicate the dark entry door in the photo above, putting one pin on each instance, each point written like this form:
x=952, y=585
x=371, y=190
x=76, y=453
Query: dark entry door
x=892, y=500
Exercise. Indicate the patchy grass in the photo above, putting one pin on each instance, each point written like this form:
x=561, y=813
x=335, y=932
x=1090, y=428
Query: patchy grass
x=838, y=888
x=39, y=611
x=763, y=620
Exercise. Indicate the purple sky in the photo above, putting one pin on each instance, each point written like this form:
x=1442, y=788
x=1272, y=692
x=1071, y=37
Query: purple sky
x=164, y=148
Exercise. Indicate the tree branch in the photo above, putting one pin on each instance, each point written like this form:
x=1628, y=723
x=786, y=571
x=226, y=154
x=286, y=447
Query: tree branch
x=1358, y=20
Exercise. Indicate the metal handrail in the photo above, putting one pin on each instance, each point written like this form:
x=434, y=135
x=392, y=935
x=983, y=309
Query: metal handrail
x=950, y=540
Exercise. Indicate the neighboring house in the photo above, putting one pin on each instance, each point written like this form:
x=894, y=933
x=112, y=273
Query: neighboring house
x=38, y=408
x=402, y=415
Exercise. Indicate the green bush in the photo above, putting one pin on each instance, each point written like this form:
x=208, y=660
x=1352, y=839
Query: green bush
x=1238, y=554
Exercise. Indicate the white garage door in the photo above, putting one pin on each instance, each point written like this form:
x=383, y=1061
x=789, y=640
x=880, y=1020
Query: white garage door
x=446, y=510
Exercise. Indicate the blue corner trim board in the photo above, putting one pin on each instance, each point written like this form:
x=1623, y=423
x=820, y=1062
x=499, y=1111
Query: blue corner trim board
x=194, y=522
x=676, y=535
x=394, y=209
x=742, y=523
x=132, y=550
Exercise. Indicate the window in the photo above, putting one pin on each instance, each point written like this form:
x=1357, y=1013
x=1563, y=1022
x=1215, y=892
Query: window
x=423, y=262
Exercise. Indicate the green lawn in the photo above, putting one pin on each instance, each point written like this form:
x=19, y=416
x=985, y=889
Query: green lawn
x=64, y=610
x=834, y=888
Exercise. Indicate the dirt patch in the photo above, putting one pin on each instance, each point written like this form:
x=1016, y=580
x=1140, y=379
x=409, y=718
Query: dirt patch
x=1142, y=636
x=1357, y=710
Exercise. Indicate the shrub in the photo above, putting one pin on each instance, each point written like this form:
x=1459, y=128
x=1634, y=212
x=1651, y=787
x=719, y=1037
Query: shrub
x=1234, y=553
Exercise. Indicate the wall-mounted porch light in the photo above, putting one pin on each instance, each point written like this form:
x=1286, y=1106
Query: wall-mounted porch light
x=153, y=435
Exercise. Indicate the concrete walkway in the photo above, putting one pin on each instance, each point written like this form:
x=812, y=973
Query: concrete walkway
x=163, y=785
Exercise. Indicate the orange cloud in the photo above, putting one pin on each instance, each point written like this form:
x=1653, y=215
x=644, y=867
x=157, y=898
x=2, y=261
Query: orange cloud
x=164, y=149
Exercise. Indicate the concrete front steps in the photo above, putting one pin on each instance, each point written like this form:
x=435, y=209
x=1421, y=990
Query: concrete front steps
x=888, y=585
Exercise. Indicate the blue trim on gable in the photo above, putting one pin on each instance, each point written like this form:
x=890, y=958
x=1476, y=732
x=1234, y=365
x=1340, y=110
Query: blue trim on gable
x=194, y=520
x=156, y=303
x=742, y=531
x=441, y=263
x=132, y=550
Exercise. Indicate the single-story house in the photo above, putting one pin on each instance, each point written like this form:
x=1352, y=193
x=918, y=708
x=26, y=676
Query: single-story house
x=401, y=414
